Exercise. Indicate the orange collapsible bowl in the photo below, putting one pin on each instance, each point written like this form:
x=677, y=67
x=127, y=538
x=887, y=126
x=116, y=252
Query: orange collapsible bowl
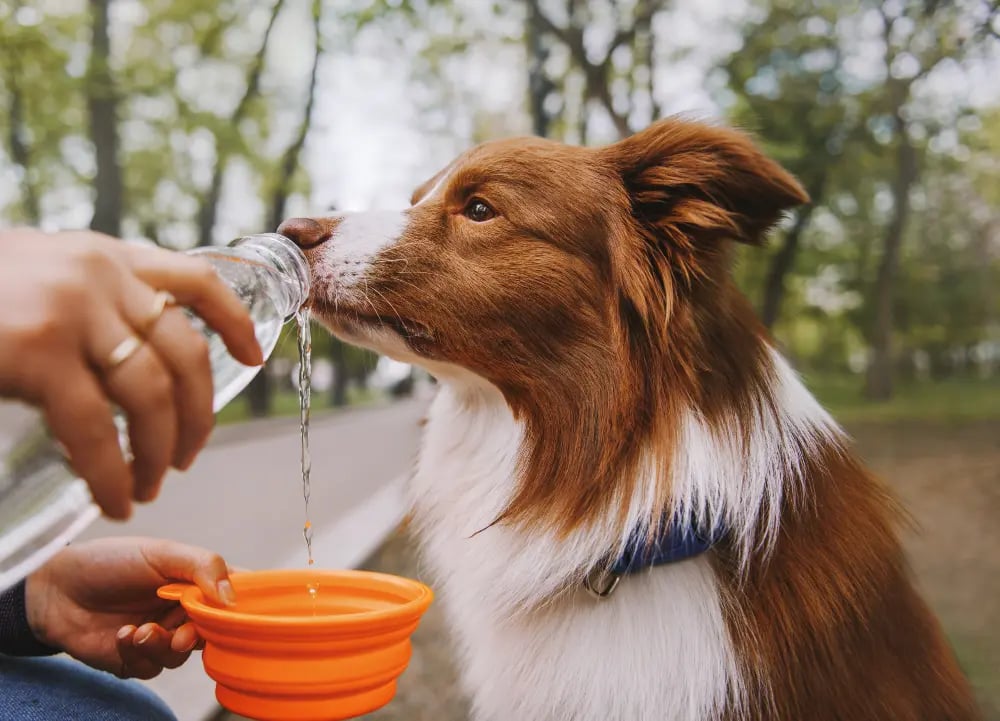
x=283, y=653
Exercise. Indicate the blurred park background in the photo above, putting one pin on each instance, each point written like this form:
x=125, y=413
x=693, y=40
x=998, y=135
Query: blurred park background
x=192, y=122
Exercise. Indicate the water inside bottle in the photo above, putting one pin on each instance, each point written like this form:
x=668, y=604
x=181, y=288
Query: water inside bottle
x=257, y=285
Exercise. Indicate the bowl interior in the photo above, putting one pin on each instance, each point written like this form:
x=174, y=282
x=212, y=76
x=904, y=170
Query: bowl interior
x=315, y=597
x=307, y=597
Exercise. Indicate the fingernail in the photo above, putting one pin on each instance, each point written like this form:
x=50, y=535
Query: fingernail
x=139, y=640
x=226, y=593
x=190, y=646
x=124, y=632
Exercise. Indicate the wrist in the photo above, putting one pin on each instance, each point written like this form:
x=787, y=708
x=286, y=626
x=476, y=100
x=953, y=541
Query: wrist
x=18, y=623
x=35, y=607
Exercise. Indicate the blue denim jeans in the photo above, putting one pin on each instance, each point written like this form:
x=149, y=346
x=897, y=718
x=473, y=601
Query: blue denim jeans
x=60, y=689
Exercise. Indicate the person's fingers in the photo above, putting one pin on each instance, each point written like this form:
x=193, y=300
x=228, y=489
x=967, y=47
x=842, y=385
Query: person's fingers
x=143, y=387
x=134, y=663
x=194, y=283
x=153, y=644
x=185, y=639
x=180, y=562
x=184, y=351
x=79, y=417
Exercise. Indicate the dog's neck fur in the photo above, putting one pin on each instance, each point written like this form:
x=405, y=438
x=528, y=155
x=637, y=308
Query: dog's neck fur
x=737, y=477
x=533, y=645
x=711, y=638
x=514, y=595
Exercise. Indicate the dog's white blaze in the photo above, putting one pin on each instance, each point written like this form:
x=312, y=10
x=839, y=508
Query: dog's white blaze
x=356, y=242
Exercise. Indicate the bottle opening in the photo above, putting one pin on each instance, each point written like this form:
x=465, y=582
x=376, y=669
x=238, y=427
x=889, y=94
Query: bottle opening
x=286, y=257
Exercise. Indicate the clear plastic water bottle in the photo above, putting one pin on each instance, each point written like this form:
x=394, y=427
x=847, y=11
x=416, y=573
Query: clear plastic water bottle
x=42, y=504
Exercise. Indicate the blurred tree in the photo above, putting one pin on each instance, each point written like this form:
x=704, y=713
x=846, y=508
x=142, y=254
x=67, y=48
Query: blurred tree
x=539, y=83
x=102, y=105
x=184, y=89
x=17, y=137
x=18, y=132
x=42, y=95
x=945, y=303
x=788, y=80
x=227, y=138
x=918, y=35
x=289, y=163
x=259, y=393
x=632, y=36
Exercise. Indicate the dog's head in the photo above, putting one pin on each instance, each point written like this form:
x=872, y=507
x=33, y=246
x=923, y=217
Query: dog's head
x=527, y=252
x=589, y=280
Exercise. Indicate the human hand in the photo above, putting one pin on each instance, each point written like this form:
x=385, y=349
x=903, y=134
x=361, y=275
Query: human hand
x=97, y=601
x=67, y=300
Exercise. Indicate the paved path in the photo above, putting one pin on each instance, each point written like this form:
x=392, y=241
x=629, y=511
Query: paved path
x=243, y=498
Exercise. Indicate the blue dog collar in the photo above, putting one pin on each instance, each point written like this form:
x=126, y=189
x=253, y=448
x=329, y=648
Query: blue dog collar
x=674, y=542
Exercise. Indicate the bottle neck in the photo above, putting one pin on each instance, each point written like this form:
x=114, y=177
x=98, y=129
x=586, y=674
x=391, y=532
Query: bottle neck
x=288, y=260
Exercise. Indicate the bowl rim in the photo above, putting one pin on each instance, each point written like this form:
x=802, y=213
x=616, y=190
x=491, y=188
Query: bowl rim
x=193, y=601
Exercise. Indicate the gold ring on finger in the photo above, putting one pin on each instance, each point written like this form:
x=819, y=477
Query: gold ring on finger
x=161, y=300
x=122, y=352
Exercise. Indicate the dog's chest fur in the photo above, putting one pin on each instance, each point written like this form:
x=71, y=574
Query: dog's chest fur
x=657, y=649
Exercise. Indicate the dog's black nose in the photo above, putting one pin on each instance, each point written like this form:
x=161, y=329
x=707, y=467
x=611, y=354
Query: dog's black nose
x=306, y=232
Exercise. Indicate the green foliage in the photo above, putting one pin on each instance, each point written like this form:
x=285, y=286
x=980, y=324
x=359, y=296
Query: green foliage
x=957, y=400
x=815, y=82
x=798, y=84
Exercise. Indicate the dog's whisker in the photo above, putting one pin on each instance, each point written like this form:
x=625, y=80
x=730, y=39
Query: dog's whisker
x=389, y=303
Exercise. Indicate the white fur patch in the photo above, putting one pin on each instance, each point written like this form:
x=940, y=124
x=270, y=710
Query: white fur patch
x=723, y=481
x=344, y=260
x=534, y=645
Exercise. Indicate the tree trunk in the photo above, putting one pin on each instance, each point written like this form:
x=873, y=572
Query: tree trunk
x=539, y=85
x=102, y=106
x=649, y=60
x=20, y=153
x=259, y=394
x=290, y=160
x=338, y=391
x=209, y=208
x=781, y=265
x=596, y=76
x=878, y=384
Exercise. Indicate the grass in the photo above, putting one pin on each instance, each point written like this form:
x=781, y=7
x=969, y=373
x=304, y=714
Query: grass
x=951, y=401
x=979, y=665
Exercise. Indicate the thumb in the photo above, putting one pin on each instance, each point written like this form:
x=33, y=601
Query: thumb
x=180, y=562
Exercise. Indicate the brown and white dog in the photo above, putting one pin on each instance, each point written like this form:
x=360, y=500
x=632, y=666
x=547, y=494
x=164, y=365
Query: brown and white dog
x=600, y=375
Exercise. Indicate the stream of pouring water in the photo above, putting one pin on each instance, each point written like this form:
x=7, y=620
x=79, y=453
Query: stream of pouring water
x=305, y=396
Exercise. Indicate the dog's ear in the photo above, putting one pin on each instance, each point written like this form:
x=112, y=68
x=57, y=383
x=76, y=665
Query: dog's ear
x=692, y=182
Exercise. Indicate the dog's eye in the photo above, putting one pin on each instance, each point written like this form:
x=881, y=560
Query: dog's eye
x=478, y=211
